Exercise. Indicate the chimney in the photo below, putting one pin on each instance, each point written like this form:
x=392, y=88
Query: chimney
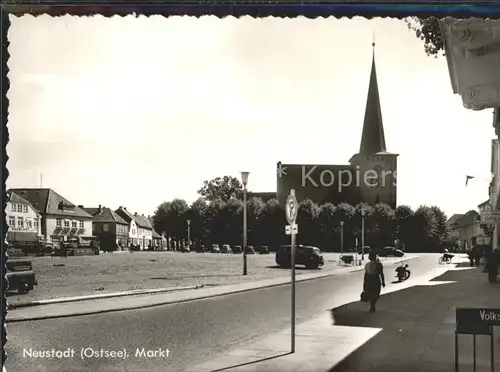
x=142, y=215
x=125, y=208
x=80, y=206
x=135, y=214
x=149, y=216
x=100, y=208
x=120, y=207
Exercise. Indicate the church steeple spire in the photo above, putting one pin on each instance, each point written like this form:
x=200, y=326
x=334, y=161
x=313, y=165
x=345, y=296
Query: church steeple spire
x=373, y=138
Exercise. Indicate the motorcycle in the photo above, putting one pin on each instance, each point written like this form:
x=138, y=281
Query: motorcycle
x=403, y=272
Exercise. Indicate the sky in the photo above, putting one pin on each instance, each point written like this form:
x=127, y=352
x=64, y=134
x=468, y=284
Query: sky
x=137, y=111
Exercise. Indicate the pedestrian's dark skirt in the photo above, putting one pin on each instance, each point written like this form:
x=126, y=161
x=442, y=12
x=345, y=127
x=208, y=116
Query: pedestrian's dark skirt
x=372, y=287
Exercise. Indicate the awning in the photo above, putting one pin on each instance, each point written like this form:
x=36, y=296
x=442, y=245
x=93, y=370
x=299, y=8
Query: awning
x=22, y=236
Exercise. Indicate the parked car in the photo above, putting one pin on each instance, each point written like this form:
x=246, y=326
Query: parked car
x=215, y=248
x=308, y=256
x=264, y=249
x=20, y=275
x=250, y=249
x=391, y=251
x=237, y=249
x=226, y=249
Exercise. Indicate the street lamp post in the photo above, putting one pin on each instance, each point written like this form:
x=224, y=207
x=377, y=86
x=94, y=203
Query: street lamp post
x=189, y=233
x=244, y=179
x=341, y=237
x=362, y=234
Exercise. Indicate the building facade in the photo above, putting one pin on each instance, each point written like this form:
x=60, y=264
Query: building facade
x=466, y=228
x=145, y=231
x=111, y=229
x=370, y=176
x=60, y=219
x=133, y=231
x=23, y=220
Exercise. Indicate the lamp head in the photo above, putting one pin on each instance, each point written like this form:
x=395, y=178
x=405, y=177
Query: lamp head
x=189, y=222
x=244, y=178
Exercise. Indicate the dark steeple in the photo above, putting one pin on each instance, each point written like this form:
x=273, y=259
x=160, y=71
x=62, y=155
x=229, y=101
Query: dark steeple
x=373, y=139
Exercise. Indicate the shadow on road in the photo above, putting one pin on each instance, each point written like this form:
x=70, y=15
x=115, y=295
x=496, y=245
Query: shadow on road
x=251, y=363
x=417, y=334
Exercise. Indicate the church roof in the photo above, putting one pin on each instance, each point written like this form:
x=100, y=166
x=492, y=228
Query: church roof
x=373, y=138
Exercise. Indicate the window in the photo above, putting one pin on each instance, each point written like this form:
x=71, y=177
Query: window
x=12, y=221
x=35, y=223
x=20, y=222
x=29, y=223
x=73, y=224
x=81, y=224
x=19, y=208
x=105, y=227
x=66, y=223
x=13, y=207
x=25, y=208
x=133, y=231
x=58, y=222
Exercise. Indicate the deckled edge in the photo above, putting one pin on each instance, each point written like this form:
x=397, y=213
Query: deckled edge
x=5, y=173
x=261, y=9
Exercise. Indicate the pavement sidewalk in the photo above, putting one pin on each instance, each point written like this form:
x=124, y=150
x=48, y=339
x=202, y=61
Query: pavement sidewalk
x=412, y=330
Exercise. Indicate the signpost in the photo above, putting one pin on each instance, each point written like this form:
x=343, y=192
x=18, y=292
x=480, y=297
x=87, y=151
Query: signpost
x=291, y=211
x=489, y=215
x=476, y=321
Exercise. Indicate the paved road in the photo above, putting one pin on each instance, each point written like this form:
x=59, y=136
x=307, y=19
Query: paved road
x=193, y=332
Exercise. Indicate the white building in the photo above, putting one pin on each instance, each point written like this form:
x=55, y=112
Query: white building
x=23, y=220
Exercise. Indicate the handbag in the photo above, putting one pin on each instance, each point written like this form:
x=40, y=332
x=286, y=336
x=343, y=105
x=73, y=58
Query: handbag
x=364, y=297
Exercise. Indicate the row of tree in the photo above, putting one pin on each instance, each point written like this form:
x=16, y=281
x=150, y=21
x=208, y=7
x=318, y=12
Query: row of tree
x=217, y=219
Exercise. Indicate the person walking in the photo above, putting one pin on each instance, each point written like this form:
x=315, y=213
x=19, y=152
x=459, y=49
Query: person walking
x=373, y=281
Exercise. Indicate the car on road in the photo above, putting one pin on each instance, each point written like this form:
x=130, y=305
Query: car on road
x=215, y=248
x=250, y=249
x=391, y=251
x=237, y=249
x=306, y=255
x=226, y=249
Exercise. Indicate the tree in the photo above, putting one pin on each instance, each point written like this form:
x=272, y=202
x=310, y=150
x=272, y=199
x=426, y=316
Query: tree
x=255, y=208
x=308, y=221
x=441, y=235
x=170, y=218
x=273, y=222
x=327, y=225
x=403, y=224
x=214, y=223
x=346, y=212
x=223, y=188
x=231, y=222
x=381, y=225
x=196, y=214
x=429, y=32
x=423, y=230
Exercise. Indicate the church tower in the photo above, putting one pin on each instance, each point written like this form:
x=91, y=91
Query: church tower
x=375, y=169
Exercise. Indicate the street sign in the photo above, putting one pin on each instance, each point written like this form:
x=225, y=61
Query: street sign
x=476, y=321
x=291, y=207
x=292, y=229
x=489, y=215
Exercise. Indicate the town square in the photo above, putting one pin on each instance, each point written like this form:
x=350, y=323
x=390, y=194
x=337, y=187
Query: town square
x=325, y=198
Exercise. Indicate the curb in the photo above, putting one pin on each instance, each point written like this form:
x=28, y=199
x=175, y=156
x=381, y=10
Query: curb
x=99, y=296
x=176, y=301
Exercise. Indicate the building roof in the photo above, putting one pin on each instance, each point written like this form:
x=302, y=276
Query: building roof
x=125, y=214
x=373, y=138
x=142, y=221
x=484, y=204
x=47, y=201
x=108, y=215
x=156, y=235
x=15, y=198
x=91, y=211
x=467, y=219
x=454, y=218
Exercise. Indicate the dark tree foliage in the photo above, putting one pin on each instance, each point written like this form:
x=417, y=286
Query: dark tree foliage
x=221, y=222
x=428, y=30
